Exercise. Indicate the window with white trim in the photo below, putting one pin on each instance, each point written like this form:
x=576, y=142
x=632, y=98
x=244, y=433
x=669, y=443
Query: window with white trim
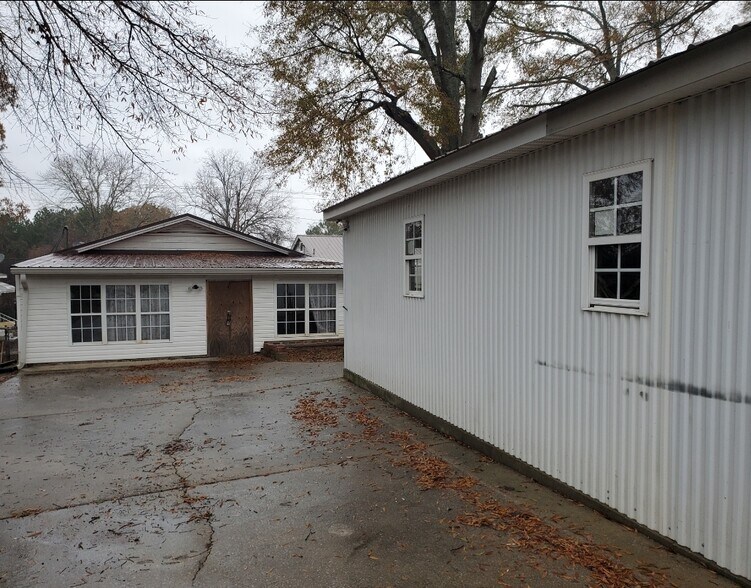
x=413, y=257
x=123, y=314
x=305, y=309
x=616, y=244
x=155, y=323
x=86, y=314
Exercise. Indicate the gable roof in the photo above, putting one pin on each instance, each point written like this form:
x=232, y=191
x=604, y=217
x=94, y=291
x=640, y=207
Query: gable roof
x=171, y=222
x=321, y=246
x=714, y=63
x=205, y=248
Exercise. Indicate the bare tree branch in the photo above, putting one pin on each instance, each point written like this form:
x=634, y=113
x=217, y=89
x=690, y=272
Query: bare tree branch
x=241, y=195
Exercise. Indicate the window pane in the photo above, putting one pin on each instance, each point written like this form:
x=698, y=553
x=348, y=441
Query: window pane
x=418, y=246
x=75, y=306
x=601, y=223
x=410, y=248
x=414, y=274
x=322, y=321
x=409, y=231
x=601, y=193
x=606, y=285
x=631, y=255
x=630, y=188
x=418, y=229
x=606, y=256
x=75, y=292
x=629, y=220
x=630, y=282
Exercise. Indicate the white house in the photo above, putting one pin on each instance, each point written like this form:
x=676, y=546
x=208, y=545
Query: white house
x=177, y=288
x=320, y=246
x=573, y=295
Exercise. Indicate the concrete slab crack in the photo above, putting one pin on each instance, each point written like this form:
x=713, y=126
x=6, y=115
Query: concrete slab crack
x=209, y=546
x=202, y=513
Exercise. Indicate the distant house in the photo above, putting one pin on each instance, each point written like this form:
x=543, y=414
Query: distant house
x=5, y=288
x=572, y=295
x=320, y=246
x=176, y=288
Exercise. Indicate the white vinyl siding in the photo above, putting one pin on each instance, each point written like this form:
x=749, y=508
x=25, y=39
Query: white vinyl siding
x=46, y=306
x=649, y=415
x=184, y=237
x=265, y=307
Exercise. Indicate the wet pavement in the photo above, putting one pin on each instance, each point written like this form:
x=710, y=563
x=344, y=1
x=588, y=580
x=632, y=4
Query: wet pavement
x=265, y=473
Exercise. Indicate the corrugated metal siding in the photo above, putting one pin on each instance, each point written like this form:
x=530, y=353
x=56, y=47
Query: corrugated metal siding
x=46, y=329
x=264, y=306
x=650, y=415
x=321, y=246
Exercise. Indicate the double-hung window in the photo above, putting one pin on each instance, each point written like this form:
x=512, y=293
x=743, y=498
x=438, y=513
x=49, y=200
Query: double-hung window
x=305, y=309
x=113, y=313
x=86, y=314
x=616, y=243
x=413, y=257
x=155, y=312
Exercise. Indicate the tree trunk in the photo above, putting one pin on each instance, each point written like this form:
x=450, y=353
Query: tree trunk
x=475, y=90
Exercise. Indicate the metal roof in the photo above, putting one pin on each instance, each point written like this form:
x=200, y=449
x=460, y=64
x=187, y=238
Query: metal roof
x=6, y=288
x=705, y=66
x=321, y=246
x=190, y=262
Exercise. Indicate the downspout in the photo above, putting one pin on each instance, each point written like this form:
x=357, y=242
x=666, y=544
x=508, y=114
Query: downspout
x=22, y=313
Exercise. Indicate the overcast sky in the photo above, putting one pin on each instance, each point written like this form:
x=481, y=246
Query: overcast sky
x=230, y=21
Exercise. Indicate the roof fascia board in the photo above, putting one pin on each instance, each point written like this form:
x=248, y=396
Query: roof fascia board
x=682, y=76
x=722, y=61
x=177, y=220
x=471, y=155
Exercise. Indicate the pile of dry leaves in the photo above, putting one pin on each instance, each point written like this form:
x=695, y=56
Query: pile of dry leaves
x=522, y=528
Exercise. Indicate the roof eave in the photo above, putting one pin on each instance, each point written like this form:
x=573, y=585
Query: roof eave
x=173, y=271
x=716, y=63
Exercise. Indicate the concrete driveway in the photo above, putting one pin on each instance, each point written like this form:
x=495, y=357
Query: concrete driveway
x=263, y=473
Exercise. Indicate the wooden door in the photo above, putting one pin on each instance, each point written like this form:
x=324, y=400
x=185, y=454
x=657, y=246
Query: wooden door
x=229, y=318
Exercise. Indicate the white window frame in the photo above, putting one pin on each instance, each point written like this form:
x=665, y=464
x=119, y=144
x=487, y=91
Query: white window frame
x=103, y=314
x=72, y=314
x=141, y=312
x=407, y=258
x=589, y=301
x=106, y=314
x=307, y=309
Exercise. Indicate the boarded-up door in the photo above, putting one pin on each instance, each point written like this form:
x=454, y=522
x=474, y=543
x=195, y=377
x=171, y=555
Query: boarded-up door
x=229, y=318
